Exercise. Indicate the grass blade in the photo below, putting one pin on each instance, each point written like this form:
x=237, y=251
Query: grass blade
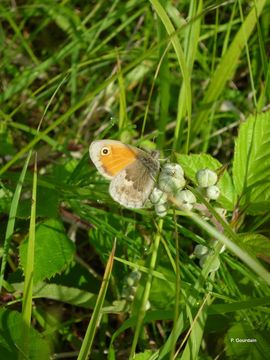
x=165, y=84
x=186, y=100
x=191, y=43
x=227, y=65
x=11, y=219
x=91, y=329
x=29, y=269
x=146, y=293
x=243, y=255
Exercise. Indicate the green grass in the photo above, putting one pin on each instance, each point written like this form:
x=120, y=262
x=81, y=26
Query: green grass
x=188, y=78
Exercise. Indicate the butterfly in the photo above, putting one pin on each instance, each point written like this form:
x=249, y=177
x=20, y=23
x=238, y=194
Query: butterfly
x=132, y=171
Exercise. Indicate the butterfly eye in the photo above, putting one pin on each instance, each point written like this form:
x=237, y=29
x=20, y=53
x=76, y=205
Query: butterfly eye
x=105, y=151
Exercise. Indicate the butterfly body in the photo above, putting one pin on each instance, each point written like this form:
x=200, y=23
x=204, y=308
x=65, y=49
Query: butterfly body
x=131, y=170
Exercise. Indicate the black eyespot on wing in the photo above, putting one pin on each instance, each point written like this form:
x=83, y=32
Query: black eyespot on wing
x=105, y=150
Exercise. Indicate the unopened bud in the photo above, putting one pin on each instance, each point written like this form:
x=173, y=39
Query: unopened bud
x=185, y=199
x=161, y=210
x=158, y=197
x=206, y=177
x=172, y=169
x=200, y=250
x=170, y=184
x=212, y=192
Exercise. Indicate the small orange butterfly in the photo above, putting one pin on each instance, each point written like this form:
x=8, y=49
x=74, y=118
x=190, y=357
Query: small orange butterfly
x=131, y=170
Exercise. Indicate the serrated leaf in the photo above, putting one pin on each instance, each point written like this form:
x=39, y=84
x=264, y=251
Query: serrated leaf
x=242, y=342
x=255, y=244
x=194, y=162
x=10, y=329
x=53, y=250
x=251, y=166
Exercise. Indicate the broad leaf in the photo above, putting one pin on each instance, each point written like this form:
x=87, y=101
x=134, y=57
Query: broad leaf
x=66, y=294
x=242, y=342
x=53, y=250
x=251, y=167
x=192, y=163
x=10, y=329
x=255, y=244
x=47, y=206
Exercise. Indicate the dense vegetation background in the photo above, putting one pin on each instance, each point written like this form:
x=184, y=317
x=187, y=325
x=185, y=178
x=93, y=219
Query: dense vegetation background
x=182, y=77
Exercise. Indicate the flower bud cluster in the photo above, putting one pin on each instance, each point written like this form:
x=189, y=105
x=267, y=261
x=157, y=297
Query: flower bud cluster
x=130, y=285
x=129, y=290
x=202, y=253
x=159, y=199
x=170, y=186
x=207, y=180
x=171, y=183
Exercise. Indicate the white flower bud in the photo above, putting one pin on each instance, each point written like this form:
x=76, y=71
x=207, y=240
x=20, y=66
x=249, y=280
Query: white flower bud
x=125, y=292
x=147, y=305
x=130, y=298
x=203, y=259
x=133, y=278
x=185, y=199
x=133, y=290
x=212, y=192
x=158, y=197
x=161, y=210
x=200, y=250
x=174, y=170
x=215, y=263
x=206, y=177
x=170, y=184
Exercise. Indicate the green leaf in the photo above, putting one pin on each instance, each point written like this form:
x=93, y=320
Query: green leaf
x=251, y=303
x=162, y=291
x=194, y=162
x=255, y=244
x=229, y=61
x=146, y=355
x=47, y=205
x=66, y=294
x=251, y=170
x=10, y=329
x=12, y=215
x=242, y=342
x=53, y=250
x=79, y=277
